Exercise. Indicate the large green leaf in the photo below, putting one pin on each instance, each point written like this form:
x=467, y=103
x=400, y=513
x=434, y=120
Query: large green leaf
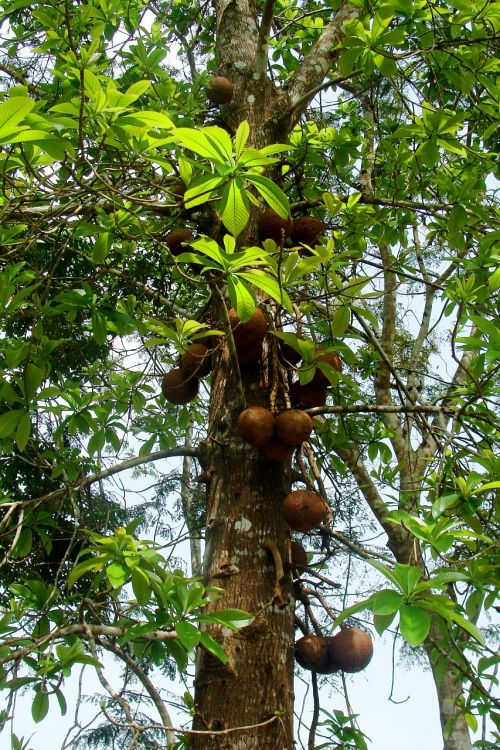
x=13, y=111
x=209, y=143
x=234, y=208
x=141, y=586
x=9, y=421
x=414, y=623
x=23, y=431
x=220, y=141
x=387, y=602
x=215, y=648
x=92, y=563
x=270, y=285
x=241, y=138
x=188, y=634
x=272, y=194
x=200, y=190
x=241, y=297
x=354, y=609
x=232, y=618
x=40, y=706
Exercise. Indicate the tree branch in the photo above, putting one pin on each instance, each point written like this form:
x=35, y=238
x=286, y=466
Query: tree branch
x=264, y=31
x=400, y=541
x=318, y=62
x=150, y=688
x=84, y=631
x=105, y=473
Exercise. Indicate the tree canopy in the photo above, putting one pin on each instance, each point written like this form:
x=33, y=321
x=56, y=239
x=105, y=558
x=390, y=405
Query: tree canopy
x=169, y=172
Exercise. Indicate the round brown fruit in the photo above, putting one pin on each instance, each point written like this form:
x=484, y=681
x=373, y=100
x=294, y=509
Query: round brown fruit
x=350, y=650
x=220, y=90
x=176, y=237
x=293, y=426
x=275, y=450
x=177, y=388
x=273, y=227
x=306, y=230
x=256, y=425
x=196, y=360
x=299, y=559
x=178, y=190
x=311, y=652
x=251, y=332
x=303, y=510
x=307, y=396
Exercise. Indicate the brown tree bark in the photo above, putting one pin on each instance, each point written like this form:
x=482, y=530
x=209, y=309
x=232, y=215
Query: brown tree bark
x=246, y=538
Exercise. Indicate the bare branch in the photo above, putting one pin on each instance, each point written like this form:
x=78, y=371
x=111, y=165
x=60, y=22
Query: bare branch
x=144, y=679
x=105, y=473
x=264, y=31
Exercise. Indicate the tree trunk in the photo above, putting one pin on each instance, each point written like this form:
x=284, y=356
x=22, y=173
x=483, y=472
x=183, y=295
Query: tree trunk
x=449, y=689
x=245, y=537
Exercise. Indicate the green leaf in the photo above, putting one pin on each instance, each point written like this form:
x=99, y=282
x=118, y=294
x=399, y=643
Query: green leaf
x=487, y=487
x=270, y=285
x=212, y=143
x=24, y=544
x=102, y=246
x=13, y=111
x=241, y=138
x=382, y=622
x=231, y=618
x=387, y=602
x=62, y=701
x=40, y=706
x=23, y=431
x=147, y=119
x=408, y=576
x=213, y=647
x=93, y=563
x=462, y=622
x=33, y=378
x=340, y=320
x=221, y=142
x=241, y=297
x=178, y=652
x=99, y=328
x=137, y=89
x=414, y=623
x=188, y=634
x=272, y=194
x=141, y=586
x=234, y=208
x=387, y=572
x=9, y=421
x=200, y=190
x=117, y=574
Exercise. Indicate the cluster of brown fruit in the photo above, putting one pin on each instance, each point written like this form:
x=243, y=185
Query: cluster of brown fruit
x=180, y=385
x=276, y=437
x=304, y=230
x=350, y=650
x=248, y=340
